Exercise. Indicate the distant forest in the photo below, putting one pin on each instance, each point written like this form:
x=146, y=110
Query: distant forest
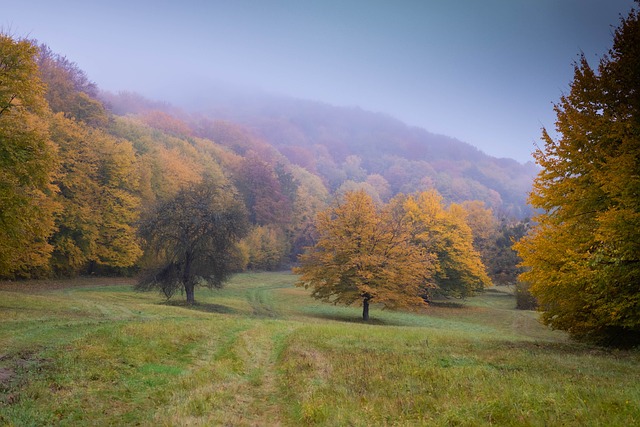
x=84, y=168
x=346, y=147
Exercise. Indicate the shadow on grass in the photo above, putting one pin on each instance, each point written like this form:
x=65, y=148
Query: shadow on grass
x=498, y=293
x=447, y=304
x=204, y=307
x=353, y=319
x=566, y=348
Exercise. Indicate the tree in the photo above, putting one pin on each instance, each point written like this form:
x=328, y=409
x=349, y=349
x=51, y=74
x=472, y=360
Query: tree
x=258, y=183
x=267, y=248
x=27, y=161
x=583, y=255
x=364, y=254
x=191, y=239
x=69, y=90
x=97, y=185
x=459, y=272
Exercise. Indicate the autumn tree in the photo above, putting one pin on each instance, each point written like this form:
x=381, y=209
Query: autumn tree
x=27, y=161
x=459, y=271
x=97, y=190
x=364, y=254
x=69, y=90
x=191, y=239
x=261, y=189
x=266, y=248
x=583, y=255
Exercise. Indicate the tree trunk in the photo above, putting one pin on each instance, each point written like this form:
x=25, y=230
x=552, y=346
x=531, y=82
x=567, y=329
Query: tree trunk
x=365, y=308
x=189, y=290
x=189, y=285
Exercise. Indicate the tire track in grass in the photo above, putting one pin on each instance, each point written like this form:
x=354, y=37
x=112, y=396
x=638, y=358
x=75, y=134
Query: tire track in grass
x=259, y=348
x=233, y=380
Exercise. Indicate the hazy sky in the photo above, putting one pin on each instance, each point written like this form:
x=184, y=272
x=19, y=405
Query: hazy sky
x=483, y=71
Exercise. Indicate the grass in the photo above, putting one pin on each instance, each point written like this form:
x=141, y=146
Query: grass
x=261, y=352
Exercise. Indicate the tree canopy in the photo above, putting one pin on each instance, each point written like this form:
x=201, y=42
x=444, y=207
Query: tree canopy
x=191, y=239
x=583, y=256
x=78, y=184
x=365, y=254
x=458, y=269
x=27, y=161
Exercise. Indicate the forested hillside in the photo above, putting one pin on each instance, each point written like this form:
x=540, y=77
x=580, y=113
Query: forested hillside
x=84, y=172
x=352, y=148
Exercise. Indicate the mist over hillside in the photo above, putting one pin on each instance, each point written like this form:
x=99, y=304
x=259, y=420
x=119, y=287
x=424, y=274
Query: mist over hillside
x=349, y=147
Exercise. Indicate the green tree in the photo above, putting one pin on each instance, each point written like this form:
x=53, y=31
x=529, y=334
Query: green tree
x=364, y=254
x=191, y=239
x=583, y=256
x=27, y=161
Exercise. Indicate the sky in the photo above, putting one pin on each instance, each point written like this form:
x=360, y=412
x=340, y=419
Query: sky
x=484, y=72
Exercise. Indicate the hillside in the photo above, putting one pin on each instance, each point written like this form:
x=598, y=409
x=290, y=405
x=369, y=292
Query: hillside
x=86, y=169
x=344, y=145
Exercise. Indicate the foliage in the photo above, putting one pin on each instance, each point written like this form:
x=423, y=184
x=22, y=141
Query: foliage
x=524, y=299
x=191, y=239
x=458, y=269
x=98, y=185
x=266, y=248
x=583, y=256
x=69, y=90
x=364, y=254
x=261, y=188
x=27, y=162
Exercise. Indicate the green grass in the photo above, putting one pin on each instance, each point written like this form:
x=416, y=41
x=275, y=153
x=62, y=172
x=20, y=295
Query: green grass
x=261, y=352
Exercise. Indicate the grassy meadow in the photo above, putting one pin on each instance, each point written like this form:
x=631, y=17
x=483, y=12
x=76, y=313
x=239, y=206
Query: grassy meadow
x=261, y=352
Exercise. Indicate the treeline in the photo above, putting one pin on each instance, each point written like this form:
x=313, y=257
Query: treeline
x=77, y=180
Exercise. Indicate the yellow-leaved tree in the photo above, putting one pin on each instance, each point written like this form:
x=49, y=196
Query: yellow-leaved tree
x=27, y=162
x=583, y=255
x=97, y=191
x=459, y=271
x=365, y=254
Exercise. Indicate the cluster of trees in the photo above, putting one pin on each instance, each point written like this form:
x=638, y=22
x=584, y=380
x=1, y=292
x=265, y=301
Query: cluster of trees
x=398, y=254
x=83, y=190
x=583, y=254
x=79, y=186
x=192, y=199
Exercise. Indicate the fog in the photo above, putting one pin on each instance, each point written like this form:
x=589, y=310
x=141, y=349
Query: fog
x=484, y=72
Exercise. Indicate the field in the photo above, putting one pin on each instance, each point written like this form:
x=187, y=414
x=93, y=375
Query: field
x=261, y=352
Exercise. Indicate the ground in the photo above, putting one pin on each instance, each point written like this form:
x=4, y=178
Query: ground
x=262, y=352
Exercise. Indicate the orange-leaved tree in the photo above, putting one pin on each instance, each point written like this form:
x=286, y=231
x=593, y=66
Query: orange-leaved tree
x=365, y=254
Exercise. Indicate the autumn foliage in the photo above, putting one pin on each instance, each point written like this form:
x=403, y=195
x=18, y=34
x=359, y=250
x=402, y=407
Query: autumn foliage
x=86, y=191
x=583, y=256
x=398, y=255
x=365, y=254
